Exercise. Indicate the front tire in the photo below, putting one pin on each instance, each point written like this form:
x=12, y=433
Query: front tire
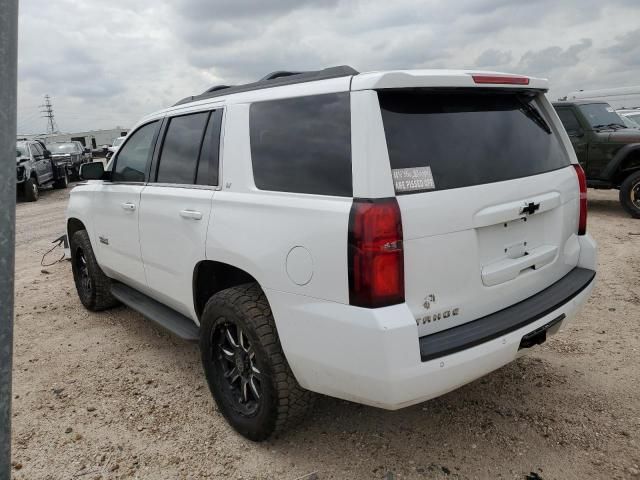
x=630, y=194
x=93, y=286
x=62, y=183
x=31, y=191
x=245, y=366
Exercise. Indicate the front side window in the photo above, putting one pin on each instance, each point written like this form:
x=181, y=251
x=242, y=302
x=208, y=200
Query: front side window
x=181, y=148
x=569, y=120
x=302, y=144
x=131, y=160
x=36, y=150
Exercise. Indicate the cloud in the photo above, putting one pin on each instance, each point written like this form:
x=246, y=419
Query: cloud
x=493, y=59
x=626, y=49
x=542, y=62
x=109, y=63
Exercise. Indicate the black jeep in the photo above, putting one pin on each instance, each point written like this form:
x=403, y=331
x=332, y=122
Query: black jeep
x=608, y=151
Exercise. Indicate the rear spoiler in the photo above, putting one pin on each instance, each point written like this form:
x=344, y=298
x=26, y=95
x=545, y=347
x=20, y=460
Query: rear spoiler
x=445, y=79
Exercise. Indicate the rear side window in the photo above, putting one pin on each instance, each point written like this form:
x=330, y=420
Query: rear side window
x=302, y=144
x=181, y=149
x=439, y=141
x=209, y=154
x=569, y=120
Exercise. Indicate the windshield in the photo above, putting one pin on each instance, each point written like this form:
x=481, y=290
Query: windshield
x=62, y=148
x=601, y=115
x=629, y=123
x=21, y=151
x=118, y=141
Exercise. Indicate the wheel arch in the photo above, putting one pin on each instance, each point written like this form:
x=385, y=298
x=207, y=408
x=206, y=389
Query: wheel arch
x=628, y=165
x=74, y=225
x=624, y=162
x=210, y=277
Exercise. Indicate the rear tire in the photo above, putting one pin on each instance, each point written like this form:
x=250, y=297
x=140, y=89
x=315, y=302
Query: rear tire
x=62, y=183
x=93, y=286
x=245, y=366
x=31, y=191
x=630, y=194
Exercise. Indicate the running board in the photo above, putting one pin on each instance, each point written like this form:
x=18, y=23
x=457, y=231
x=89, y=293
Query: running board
x=155, y=311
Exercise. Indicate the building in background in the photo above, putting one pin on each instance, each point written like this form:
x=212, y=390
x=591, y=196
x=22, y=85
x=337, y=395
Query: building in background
x=618, y=98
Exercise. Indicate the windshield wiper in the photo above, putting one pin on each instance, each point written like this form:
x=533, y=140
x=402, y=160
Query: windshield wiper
x=610, y=125
x=534, y=115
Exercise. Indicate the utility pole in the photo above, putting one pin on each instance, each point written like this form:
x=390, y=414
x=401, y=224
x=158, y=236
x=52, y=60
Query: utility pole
x=8, y=105
x=47, y=109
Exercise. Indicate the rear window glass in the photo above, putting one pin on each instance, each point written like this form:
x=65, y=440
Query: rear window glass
x=439, y=141
x=302, y=144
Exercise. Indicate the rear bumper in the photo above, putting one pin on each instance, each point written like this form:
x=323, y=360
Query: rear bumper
x=519, y=315
x=374, y=356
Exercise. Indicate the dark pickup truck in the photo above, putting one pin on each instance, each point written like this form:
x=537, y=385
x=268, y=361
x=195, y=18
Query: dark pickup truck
x=608, y=151
x=36, y=169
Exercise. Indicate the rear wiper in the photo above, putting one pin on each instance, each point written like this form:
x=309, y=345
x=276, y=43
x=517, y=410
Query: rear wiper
x=534, y=115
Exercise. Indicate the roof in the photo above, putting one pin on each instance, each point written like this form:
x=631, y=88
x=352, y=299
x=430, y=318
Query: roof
x=274, y=79
x=370, y=80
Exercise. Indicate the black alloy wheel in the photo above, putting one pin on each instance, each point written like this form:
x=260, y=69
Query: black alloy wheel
x=236, y=360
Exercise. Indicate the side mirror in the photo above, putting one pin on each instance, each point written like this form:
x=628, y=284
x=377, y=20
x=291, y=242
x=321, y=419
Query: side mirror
x=47, y=153
x=92, y=171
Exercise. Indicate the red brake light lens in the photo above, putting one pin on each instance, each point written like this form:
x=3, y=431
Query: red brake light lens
x=500, y=79
x=376, y=256
x=582, y=181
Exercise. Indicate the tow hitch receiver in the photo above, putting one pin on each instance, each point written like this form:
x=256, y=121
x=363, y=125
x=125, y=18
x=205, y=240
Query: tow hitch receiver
x=539, y=335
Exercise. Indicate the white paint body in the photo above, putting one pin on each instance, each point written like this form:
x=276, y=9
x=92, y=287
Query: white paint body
x=295, y=246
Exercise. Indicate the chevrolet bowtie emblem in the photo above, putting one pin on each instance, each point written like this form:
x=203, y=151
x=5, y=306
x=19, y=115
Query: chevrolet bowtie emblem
x=530, y=208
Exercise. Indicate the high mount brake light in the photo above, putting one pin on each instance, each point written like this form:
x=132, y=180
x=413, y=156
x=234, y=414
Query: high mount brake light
x=582, y=181
x=500, y=79
x=376, y=255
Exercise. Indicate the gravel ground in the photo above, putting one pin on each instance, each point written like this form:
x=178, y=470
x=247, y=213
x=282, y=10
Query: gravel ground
x=108, y=395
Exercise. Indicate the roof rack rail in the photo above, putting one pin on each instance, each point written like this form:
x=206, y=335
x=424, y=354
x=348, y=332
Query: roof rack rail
x=216, y=88
x=274, y=79
x=279, y=74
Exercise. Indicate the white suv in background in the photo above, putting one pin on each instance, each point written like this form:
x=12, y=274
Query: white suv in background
x=380, y=237
x=114, y=147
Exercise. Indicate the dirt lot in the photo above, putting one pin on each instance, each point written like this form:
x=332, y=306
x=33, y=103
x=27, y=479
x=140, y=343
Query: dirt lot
x=110, y=396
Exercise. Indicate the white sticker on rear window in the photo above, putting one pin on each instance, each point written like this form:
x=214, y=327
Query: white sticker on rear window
x=412, y=179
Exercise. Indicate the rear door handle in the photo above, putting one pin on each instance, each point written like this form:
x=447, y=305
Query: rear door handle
x=128, y=206
x=191, y=214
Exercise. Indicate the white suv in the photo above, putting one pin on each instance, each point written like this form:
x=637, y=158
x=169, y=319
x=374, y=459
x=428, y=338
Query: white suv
x=381, y=237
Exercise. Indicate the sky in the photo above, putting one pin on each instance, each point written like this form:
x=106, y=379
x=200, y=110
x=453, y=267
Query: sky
x=106, y=64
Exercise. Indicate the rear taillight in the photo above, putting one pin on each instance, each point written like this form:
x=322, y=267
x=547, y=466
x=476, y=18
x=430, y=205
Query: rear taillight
x=500, y=79
x=582, y=181
x=376, y=256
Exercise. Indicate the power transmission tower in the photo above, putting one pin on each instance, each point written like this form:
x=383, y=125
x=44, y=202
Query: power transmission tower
x=48, y=114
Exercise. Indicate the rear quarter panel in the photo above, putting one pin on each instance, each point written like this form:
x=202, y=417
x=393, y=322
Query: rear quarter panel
x=289, y=242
